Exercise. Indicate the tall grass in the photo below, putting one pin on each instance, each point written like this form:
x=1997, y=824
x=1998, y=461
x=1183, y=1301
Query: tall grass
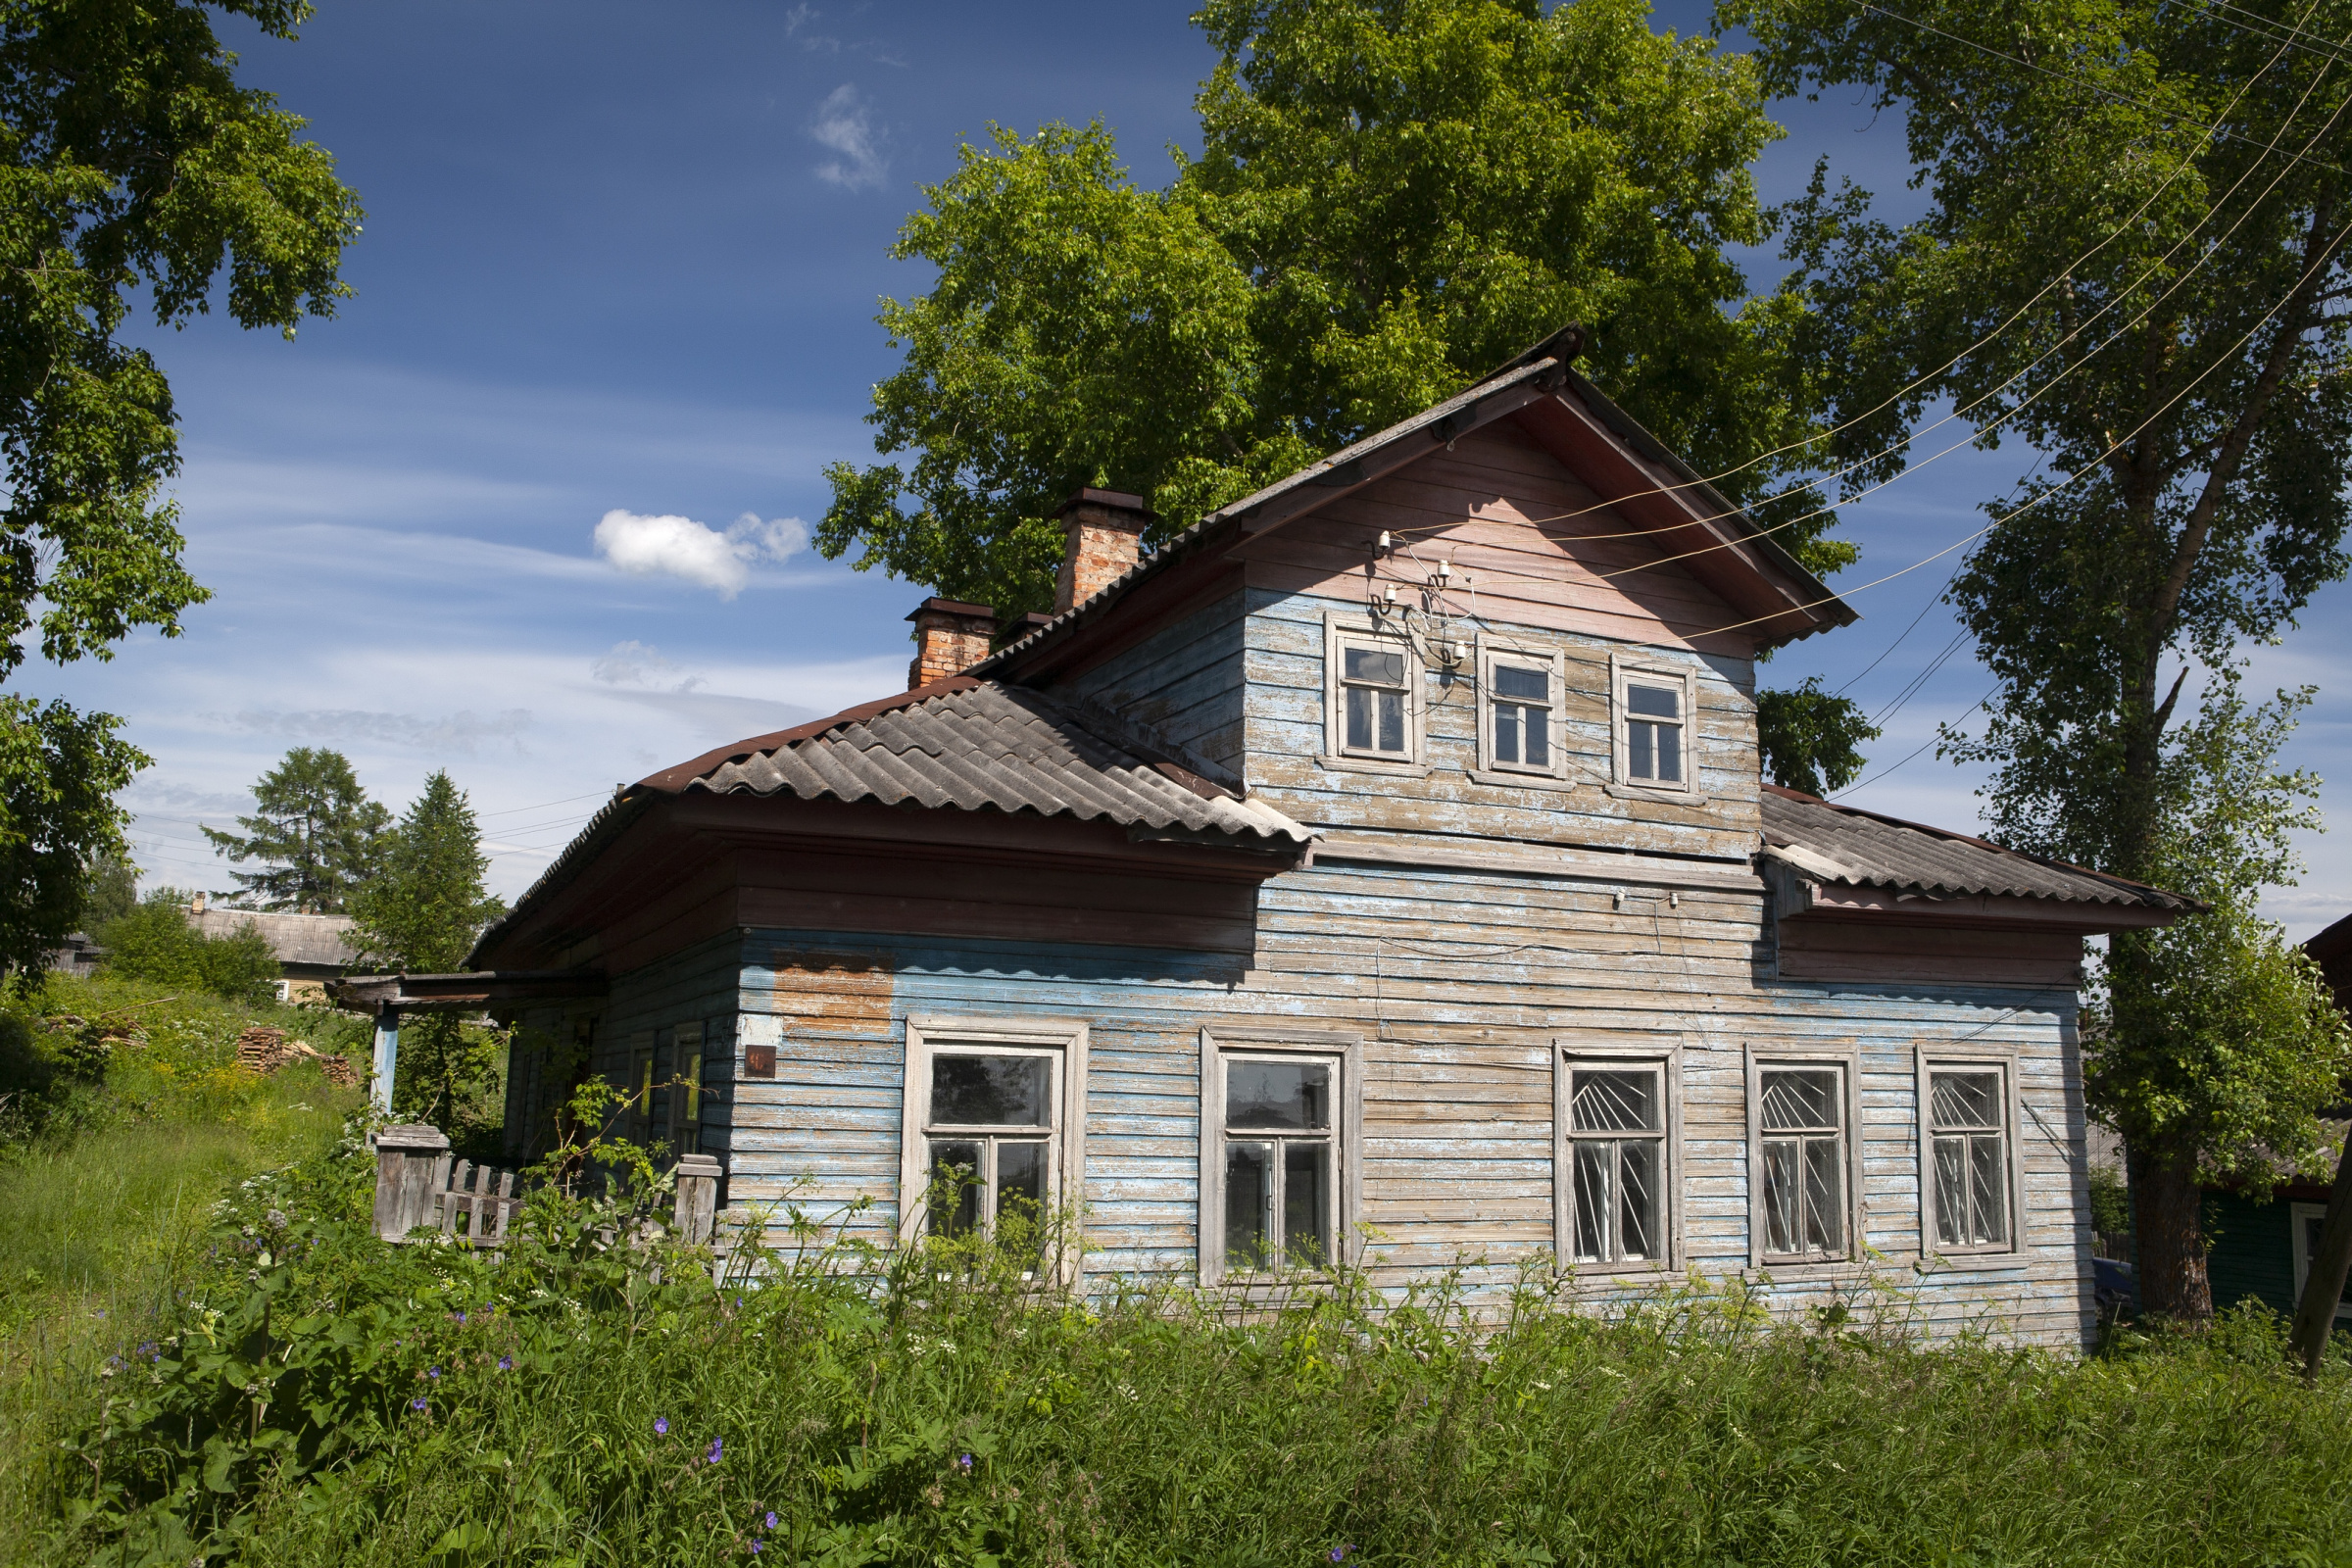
x=107, y=1196
x=327, y=1400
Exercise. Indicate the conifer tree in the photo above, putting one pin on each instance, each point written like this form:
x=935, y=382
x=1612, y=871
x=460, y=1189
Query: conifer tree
x=314, y=832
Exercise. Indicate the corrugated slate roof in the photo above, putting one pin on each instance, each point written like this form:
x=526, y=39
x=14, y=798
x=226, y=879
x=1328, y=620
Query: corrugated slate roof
x=1839, y=844
x=975, y=744
x=320, y=939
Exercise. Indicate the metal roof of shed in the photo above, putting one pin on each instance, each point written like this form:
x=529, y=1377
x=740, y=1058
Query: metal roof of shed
x=1834, y=843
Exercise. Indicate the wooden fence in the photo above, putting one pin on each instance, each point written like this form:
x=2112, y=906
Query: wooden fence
x=419, y=1187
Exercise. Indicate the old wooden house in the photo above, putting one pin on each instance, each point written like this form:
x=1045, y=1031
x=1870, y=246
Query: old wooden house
x=1378, y=869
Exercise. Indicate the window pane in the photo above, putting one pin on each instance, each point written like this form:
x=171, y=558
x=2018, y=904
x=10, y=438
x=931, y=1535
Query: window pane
x=1824, y=1185
x=1020, y=1181
x=990, y=1091
x=1989, y=1205
x=1654, y=702
x=1294, y=1095
x=1593, y=1173
x=1376, y=666
x=1528, y=685
x=1965, y=1098
x=1638, y=1198
x=1249, y=1204
x=1951, y=1191
x=1614, y=1102
x=1670, y=753
x=955, y=1166
x=1360, y=719
x=1391, y=722
x=1539, y=737
x=1506, y=732
x=1807, y=1099
x=1641, y=751
x=1783, y=1199
x=1306, y=1205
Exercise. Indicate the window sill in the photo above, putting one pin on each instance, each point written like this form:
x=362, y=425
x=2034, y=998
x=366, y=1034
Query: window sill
x=1987, y=1257
x=1496, y=779
x=1366, y=764
x=1633, y=792
x=1617, y=1273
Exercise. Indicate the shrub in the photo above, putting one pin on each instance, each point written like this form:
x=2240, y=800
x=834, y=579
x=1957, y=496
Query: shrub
x=156, y=942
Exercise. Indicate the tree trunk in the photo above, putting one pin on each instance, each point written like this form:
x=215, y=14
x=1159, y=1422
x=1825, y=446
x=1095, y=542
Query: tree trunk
x=2167, y=1226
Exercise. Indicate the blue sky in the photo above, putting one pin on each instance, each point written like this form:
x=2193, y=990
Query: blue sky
x=622, y=258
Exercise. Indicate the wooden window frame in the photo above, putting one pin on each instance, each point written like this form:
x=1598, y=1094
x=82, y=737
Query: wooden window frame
x=1340, y=631
x=929, y=1037
x=1624, y=672
x=1926, y=1060
x=1346, y=1048
x=687, y=1055
x=1848, y=1062
x=1566, y=1056
x=2299, y=1218
x=1491, y=650
x=638, y=1086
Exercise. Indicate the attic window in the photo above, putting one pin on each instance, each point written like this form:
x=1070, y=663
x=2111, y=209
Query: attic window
x=1653, y=726
x=1372, y=685
x=1520, y=721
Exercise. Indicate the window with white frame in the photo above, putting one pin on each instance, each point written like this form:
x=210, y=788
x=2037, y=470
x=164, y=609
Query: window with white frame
x=1617, y=1159
x=1520, y=718
x=1967, y=1156
x=2308, y=1220
x=1802, y=1158
x=1373, y=697
x=1653, y=728
x=993, y=1124
x=1279, y=1125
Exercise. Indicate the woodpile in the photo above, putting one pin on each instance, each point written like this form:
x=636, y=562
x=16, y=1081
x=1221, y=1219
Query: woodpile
x=264, y=1050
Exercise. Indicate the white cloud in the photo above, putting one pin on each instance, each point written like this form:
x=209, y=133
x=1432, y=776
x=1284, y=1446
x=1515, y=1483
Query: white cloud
x=636, y=664
x=672, y=546
x=846, y=125
x=459, y=732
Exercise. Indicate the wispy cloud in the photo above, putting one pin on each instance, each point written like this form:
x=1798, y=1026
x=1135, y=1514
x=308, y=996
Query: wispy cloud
x=635, y=663
x=671, y=546
x=845, y=123
x=460, y=732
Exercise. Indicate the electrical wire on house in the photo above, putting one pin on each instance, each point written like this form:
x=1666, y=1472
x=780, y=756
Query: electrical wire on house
x=1962, y=719
x=2322, y=51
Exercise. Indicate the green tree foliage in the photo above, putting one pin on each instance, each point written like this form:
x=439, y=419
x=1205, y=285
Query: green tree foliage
x=1810, y=739
x=132, y=165
x=110, y=888
x=1391, y=199
x=314, y=832
x=2131, y=260
x=420, y=912
x=156, y=942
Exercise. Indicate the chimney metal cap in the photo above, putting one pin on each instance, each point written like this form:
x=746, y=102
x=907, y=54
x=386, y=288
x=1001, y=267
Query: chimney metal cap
x=1117, y=499
x=951, y=607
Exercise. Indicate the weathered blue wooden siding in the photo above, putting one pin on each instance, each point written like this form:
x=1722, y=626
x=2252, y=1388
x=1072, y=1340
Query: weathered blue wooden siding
x=1184, y=680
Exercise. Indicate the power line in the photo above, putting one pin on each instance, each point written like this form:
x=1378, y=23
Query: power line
x=1891, y=768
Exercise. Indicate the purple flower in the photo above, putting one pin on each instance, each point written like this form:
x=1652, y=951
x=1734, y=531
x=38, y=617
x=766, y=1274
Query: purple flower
x=771, y=1519
x=506, y=1363
x=416, y=1404
x=1338, y=1554
x=759, y=1545
x=434, y=1372
x=460, y=1314
x=965, y=1462
x=661, y=1426
x=716, y=1444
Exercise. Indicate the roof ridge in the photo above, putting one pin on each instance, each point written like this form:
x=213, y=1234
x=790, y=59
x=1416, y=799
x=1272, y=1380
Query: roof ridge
x=672, y=780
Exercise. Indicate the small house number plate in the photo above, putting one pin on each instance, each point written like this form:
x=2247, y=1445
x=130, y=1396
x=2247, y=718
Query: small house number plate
x=759, y=1061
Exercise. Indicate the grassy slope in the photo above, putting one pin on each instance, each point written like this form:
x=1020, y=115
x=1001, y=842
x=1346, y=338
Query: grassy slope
x=99, y=1225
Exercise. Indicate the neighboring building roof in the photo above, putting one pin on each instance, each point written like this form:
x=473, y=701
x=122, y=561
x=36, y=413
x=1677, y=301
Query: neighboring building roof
x=1546, y=365
x=319, y=939
x=2331, y=950
x=1834, y=843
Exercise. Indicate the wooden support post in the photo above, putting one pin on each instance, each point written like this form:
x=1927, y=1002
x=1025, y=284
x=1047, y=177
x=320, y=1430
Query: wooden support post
x=387, y=1056
x=411, y=1166
x=697, y=1198
x=2323, y=1286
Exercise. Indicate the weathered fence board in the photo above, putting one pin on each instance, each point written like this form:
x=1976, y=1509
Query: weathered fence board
x=418, y=1188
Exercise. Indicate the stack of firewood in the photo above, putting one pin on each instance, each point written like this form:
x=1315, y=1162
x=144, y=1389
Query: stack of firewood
x=264, y=1050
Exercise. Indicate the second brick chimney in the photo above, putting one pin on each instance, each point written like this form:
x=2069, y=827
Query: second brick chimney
x=950, y=637
x=1106, y=537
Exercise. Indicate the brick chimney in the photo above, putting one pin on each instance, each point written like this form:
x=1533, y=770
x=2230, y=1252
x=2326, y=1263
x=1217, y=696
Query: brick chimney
x=950, y=637
x=1105, y=538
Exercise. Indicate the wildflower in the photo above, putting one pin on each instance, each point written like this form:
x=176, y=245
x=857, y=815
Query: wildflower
x=434, y=1372
x=772, y=1518
x=965, y=1462
x=716, y=1444
x=459, y=1314
x=661, y=1426
x=416, y=1404
x=759, y=1545
x=1339, y=1554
